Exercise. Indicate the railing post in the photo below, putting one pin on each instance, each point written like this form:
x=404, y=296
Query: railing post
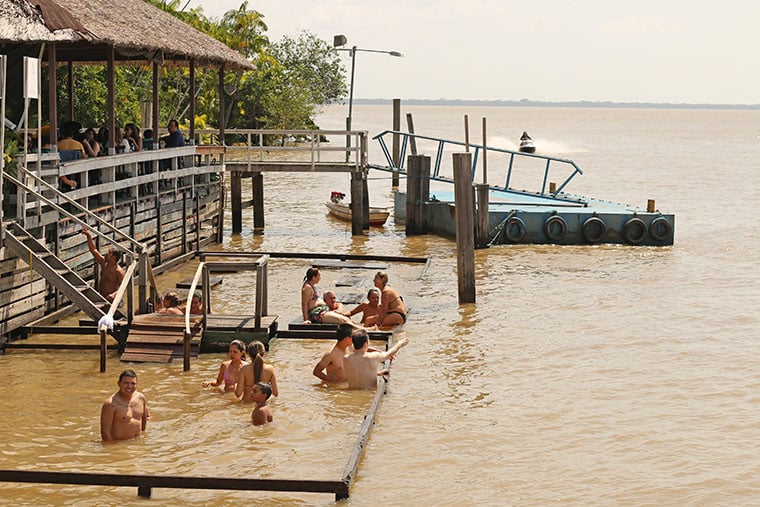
x=103, y=349
x=186, y=349
x=142, y=281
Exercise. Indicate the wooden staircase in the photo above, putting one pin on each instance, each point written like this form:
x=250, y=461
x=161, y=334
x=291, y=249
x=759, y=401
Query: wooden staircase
x=157, y=338
x=30, y=250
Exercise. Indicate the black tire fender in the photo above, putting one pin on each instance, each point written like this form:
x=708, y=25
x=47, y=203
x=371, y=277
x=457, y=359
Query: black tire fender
x=555, y=228
x=634, y=231
x=593, y=229
x=515, y=229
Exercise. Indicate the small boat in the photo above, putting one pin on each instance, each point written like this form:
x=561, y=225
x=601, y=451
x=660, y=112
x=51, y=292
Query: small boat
x=341, y=211
x=526, y=144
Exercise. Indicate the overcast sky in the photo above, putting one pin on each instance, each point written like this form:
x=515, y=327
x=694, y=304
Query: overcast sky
x=547, y=50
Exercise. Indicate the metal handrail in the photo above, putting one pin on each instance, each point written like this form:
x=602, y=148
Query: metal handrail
x=139, y=247
x=477, y=148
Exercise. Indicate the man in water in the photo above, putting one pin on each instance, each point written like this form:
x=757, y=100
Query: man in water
x=111, y=274
x=330, y=367
x=124, y=414
x=361, y=366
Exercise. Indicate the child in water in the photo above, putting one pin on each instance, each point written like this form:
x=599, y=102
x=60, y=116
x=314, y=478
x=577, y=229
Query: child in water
x=262, y=414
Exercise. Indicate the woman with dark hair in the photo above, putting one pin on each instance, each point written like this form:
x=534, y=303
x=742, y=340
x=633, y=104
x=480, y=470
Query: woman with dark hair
x=132, y=135
x=313, y=307
x=229, y=371
x=91, y=145
x=255, y=371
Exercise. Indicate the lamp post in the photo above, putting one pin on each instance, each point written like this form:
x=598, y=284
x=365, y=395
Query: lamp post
x=340, y=40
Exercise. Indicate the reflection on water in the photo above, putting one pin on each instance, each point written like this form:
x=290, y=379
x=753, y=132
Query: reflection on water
x=582, y=375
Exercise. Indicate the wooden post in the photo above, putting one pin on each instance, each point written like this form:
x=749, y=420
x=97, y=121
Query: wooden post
x=144, y=491
x=412, y=139
x=650, y=206
x=552, y=187
x=257, y=184
x=220, y=212
x=237, y=203
x=463, y=202
x=481, y=235
x=485, y=154
x=192, y=101
x=186, y=347
x=396, y=147
x=418, y=172
x=197, y=223
x=222, y=110
x=103, y=349
x=159, y=234
x=466, y=133
x=184, y=222
x=357, y=197
x=142, y=282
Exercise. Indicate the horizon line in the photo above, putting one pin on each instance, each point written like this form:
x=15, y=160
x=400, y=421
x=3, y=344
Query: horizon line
x=570, y=103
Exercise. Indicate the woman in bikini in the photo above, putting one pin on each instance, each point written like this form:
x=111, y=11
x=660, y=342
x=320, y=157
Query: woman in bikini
x=369, y=309
x=392, y=308
x=313, y=308
x=229, y=371
x=255, y=371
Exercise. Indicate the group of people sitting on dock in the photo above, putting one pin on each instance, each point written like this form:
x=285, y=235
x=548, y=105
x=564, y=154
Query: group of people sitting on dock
x=384, y=308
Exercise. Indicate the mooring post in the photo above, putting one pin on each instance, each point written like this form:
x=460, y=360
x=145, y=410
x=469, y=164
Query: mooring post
x=237, y=203
x=186, y=348
x=650, y=206
x=257, y=184
x=396, y=147
x=463, y=203
x=418, y=172
x=103, y=349
x=357, y=198
x=481, y=235
x=412, y=139
x=365, y=187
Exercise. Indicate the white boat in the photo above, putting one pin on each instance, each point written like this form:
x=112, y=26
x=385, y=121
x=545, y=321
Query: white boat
x=341, y=211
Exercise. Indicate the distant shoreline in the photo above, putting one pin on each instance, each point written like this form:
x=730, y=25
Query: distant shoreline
x=536, y=103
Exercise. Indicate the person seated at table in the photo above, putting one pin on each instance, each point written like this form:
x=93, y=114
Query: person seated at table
x=147, y=139
x=369, y=309
x=314, y=309
x=174, y=139
x=90, y=144
x=132, y=135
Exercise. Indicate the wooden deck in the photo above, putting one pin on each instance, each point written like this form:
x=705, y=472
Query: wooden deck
x=156, y=338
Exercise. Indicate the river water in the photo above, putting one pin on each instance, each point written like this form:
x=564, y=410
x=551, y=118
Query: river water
x=610, y=375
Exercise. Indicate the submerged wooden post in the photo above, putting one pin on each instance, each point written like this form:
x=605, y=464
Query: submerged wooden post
x=481, y=235
x=396, y=148
x=257, y=184
x=186, y=347
x=418, y=173
x=103, y=349
x=237, y=203
x=463, y=203
x=357, y=197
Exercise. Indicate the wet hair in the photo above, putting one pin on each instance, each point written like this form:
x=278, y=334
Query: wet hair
x=265, y=388
x=257, y=350
x=240, y=346
x=359, y=337
x=310, y=273
x=374, y=290
x=173, y=298
x=127, y=373
x=383, y=276
x=343, y=331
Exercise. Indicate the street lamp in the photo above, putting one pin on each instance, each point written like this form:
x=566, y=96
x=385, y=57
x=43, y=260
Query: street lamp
x=340, y=40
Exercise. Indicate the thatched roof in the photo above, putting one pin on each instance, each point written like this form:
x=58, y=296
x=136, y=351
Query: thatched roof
x=83, y=31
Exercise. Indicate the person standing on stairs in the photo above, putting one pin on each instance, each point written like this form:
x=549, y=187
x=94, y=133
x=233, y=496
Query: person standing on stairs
x=111, y=274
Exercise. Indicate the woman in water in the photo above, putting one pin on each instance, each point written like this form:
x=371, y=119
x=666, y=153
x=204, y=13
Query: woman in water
x=392, y=308
x=229, y=371
x=255, y=371
x=313, y=307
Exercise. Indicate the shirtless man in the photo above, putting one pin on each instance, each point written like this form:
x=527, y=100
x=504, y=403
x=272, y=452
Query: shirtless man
x=332, y=302
x=361, y=366
x=111, y=274
x=124, y=414
x=262, y=414
x=330, y=367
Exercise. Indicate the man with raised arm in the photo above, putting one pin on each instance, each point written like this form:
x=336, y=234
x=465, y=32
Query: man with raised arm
x=361, y=365
x=111, y=274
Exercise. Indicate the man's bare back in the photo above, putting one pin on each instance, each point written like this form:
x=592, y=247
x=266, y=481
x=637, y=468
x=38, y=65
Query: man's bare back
x=361, y=365
x=111, y=274
x=330, y=367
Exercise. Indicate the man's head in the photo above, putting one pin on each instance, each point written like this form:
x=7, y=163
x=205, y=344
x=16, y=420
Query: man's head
x=373, y=296
x=127, y=382
x=344, y=331
x=360, y=339
x=113, y=256
x=330, y=298
x=172, y=126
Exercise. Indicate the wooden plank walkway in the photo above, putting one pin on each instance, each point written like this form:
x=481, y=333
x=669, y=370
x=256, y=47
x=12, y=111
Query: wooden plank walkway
x=156, y=338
